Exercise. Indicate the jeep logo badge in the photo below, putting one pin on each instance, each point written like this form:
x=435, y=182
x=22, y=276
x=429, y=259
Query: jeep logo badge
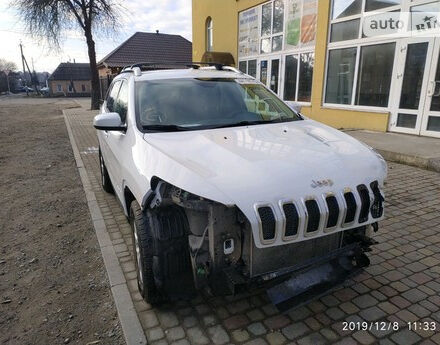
x=321, y=183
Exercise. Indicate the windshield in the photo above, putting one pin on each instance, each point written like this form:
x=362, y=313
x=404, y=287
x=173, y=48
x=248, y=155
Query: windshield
x=185, y=104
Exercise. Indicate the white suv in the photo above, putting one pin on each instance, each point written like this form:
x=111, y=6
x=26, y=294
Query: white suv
x=228, y=188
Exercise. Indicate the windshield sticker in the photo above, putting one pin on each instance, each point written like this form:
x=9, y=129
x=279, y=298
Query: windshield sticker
x=246, y=81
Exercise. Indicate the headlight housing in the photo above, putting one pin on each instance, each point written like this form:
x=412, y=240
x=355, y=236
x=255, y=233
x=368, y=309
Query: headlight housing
x=382, y=161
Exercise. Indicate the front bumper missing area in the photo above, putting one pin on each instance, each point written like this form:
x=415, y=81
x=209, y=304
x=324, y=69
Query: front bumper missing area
x=318, y=279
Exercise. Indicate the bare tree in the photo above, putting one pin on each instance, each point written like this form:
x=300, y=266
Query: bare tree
x=48, y=19
x=7, y=66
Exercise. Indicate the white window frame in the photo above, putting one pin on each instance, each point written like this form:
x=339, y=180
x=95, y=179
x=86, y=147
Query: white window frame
x=301, y=49
x=272, y=35
x=358, y=43
x=59, y=88
x=298, y=52
x=246, y=60
x=356, y=76
x=209, y=32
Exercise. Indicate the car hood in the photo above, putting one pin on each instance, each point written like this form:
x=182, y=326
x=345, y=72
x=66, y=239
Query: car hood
x=259, y=164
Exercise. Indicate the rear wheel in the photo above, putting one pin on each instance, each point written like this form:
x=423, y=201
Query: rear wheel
x=161, y=253
x=105, y=178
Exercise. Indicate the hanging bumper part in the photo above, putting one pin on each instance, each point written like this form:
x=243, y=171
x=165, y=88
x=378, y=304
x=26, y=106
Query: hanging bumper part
x=317, y=280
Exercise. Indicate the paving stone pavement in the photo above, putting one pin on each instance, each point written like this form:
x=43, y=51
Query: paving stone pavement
x=402, y=284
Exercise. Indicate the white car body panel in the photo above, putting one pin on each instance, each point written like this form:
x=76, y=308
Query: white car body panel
x=243, y=166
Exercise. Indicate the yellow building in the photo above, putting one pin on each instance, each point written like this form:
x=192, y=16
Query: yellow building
x=369, y=64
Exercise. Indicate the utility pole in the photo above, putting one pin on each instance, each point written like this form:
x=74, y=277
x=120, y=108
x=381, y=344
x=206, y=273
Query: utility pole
x=24, y=69
x=23, y=59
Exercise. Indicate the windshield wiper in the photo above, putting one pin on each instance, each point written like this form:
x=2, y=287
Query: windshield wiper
x=166, y=128
x=250, y=123
x=177, y=128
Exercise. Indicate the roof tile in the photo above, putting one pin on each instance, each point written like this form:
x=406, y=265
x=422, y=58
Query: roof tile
x=150, y=47
x=71, y=71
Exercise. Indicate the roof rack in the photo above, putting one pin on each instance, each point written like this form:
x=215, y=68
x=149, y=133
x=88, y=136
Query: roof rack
x=149, y=66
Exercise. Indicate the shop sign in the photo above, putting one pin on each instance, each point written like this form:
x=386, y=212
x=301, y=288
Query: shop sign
x=401, y=24
x=301, y=22
x=293, y=22
x=308, y=21
x=248, y=32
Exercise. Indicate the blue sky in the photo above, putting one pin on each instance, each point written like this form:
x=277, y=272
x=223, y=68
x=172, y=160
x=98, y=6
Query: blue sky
x=167, y=16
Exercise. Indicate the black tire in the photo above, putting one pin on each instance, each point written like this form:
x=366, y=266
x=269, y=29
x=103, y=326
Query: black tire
x=160, y=247
x=105, y=178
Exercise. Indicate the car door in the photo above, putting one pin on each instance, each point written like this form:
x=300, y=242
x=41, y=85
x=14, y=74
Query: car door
x=108, y=107
x=116, y=139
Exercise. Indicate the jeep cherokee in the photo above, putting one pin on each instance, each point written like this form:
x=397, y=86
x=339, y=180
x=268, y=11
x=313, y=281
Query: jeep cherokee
x=227, y=188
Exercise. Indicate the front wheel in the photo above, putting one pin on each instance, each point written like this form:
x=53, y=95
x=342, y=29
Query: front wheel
x=161, y=253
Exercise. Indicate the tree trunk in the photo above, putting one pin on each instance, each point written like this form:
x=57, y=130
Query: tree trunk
x=93, y=70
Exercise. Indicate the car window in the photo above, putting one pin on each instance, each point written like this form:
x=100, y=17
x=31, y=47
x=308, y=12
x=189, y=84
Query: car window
x=112, y=95
x=121, y=104
x=208, y=102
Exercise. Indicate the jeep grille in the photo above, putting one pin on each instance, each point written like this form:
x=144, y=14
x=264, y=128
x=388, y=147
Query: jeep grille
x=292, y=219
x=365, y=203
x=313, y=215
x=351, y=207
x=377, y=206
x=333, y=211
x=268, y=223
x=328, y=212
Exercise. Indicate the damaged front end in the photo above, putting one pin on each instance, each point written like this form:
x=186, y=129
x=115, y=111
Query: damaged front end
x=226, y=260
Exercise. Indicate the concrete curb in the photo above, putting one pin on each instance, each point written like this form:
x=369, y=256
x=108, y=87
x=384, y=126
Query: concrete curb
x=131, y=326
x=416, y=161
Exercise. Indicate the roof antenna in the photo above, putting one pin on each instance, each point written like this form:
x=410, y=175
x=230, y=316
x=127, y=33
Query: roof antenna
x=157, y=31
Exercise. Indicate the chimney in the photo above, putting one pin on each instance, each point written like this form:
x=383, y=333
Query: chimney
x=157, y=31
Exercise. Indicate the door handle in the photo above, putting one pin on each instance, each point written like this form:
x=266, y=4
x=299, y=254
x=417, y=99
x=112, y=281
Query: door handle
x=436, y=94
x=431, y=90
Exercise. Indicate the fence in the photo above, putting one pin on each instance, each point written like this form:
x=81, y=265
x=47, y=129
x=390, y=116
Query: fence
x=104, y=83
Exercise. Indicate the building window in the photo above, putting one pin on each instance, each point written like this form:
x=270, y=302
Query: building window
x=306, y=63
x=70, y=88
x=209, y=34
x=290, y=77
x=298, y=75
x=286, y=29
x=242, y=66
x=83, y=88
x=340, y=75
x=272, y=25
x=358, y=71
x=59, y=88
x=374, y=5
x=249, y=67
x=374, y=77
x=346, y=8
x=343, y=31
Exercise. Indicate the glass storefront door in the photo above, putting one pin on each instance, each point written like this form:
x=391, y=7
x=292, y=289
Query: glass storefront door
x=431, y=116
x=274, y=75
x=270, y=70
x=416, y=106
